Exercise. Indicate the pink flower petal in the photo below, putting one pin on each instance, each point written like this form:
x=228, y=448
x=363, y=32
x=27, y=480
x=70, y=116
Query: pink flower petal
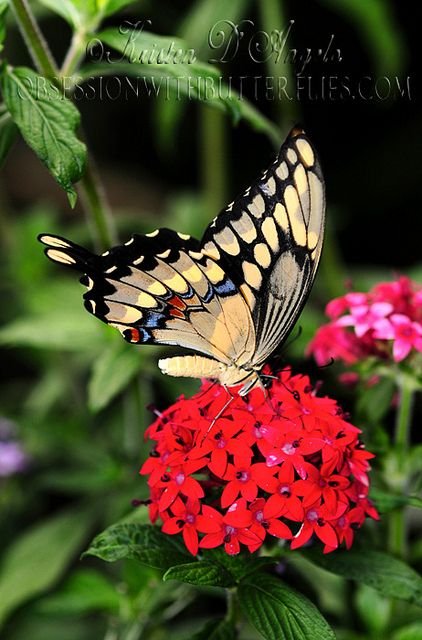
x=401, y=349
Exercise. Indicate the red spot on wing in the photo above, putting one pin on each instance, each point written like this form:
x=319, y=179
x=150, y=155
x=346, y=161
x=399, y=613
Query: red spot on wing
x=175, y=301
x=134, y=335
x=176, y=313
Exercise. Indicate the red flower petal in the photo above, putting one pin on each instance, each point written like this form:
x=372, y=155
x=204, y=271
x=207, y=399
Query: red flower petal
x=279, y=530
x=327, y=534
x=190, y=538
x=172, y=526
x=230, y=493
x=168, y=497
x=211, y=540
x=218, y=464
x=302, y=537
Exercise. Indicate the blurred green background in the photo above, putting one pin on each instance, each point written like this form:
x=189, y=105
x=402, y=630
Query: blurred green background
x=73, y=394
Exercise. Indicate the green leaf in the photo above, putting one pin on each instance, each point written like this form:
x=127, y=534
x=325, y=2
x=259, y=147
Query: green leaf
x=387, y=502
x=414, y=461
x=223, y=630
x=200, y=573
x=374, y=610
x=8, y=133
x=239, y=566
x=205, y=15
x=4, y=6
x=38, y=558
x=58, y=329
x=111, y=373
x=47, y=121
x=80, y=14
x=217, y=568
x=378, y=29
x=144, y=543
x=187, y=78
x=409, y=632
x=85, y=591
x=374, y=402
x=85, y=15
x=280, y=613
x=390, y=576
x=109, y=7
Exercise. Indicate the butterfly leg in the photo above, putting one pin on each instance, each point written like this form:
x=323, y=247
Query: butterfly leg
x=222, y=410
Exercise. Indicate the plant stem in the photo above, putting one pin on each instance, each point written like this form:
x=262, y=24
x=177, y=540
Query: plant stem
x=273, y=22
x=96, y=206
x=232, y=615
x=34, y=39
x=403, y=421
x=134, y=631
x=213, y=156
x=331, y=271
x=397, y=521
x=90, y=187
x=74, y=55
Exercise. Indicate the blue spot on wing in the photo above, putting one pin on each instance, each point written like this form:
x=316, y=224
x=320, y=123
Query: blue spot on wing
x=144, y=335
x=225, y=288
x=209, y=295
x=153, y=320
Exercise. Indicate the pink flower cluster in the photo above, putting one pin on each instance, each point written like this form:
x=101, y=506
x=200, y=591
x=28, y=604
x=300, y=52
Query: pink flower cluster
x=284, y=463
x=385, y=322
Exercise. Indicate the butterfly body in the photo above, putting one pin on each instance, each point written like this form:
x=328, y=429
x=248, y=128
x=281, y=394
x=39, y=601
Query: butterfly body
x=227, y=375
x=232, y=297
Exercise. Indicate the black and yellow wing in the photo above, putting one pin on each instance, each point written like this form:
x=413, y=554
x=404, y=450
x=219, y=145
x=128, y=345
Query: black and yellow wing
x=269, y=241
x=160, y=289
x=233, y=296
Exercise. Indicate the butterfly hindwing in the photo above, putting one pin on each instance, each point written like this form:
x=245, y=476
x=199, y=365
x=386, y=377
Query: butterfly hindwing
x=269, y=241
x=160, y=289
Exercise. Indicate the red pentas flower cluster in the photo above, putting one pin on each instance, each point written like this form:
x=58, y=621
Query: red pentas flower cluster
x=385, y=322
x=283, y=463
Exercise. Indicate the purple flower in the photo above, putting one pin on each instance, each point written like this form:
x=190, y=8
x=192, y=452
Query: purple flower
x=12, y=458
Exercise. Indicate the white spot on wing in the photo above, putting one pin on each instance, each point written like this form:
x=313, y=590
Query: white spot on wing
x=291, y=156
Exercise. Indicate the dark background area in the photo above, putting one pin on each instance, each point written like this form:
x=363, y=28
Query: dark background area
x=369, y=145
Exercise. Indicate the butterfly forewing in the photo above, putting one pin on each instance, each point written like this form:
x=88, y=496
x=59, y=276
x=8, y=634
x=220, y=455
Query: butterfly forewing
x=269, y=241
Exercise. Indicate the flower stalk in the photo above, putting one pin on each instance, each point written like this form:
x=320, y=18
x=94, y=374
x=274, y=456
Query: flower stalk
x=397, y=522
x=403, y=420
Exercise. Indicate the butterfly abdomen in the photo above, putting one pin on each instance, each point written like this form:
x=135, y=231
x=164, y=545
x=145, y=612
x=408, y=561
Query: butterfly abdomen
x=191, y=367
x=202, y=367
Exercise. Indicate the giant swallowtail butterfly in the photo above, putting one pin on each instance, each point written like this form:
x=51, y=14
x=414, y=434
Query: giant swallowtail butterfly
x=233, y=296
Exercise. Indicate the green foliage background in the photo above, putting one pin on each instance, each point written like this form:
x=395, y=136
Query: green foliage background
x=78, y=394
